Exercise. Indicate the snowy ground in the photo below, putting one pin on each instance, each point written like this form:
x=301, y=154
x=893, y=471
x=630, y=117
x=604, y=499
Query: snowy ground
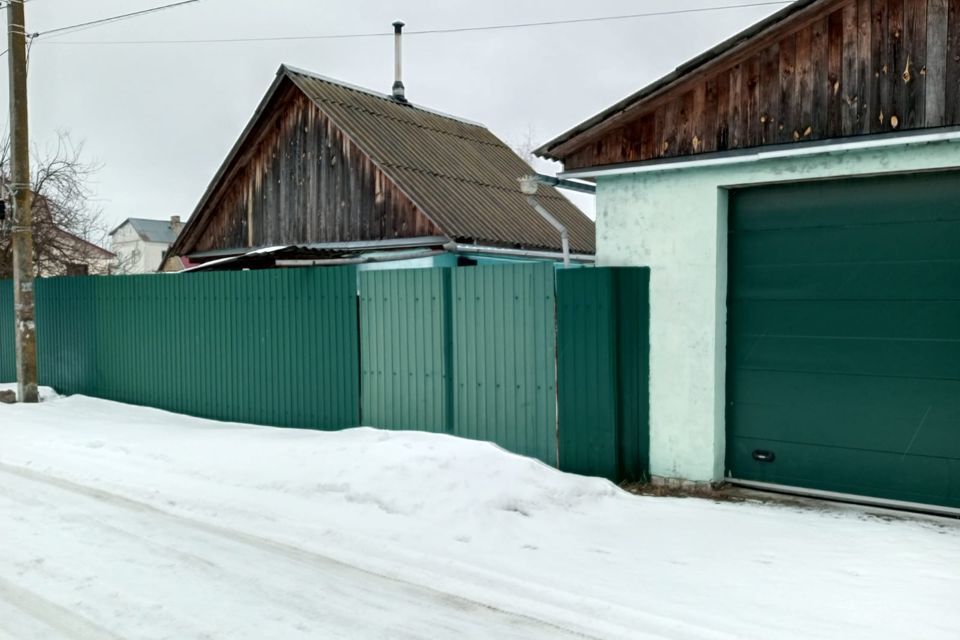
x=123, y=522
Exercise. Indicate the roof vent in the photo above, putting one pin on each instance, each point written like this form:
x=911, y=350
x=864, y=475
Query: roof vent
x=398, y=90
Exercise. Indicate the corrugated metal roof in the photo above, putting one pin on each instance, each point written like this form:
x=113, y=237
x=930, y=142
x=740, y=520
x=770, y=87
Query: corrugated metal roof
x=459, y=174
x=151, y=230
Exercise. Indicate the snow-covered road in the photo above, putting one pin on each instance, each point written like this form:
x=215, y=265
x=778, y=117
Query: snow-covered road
x=84, y=554
x=125, y=522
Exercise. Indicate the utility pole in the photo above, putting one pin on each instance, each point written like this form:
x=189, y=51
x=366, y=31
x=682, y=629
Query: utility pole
x=22, y=231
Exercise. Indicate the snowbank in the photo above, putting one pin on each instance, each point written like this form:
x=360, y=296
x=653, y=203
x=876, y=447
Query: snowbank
x=470, y=519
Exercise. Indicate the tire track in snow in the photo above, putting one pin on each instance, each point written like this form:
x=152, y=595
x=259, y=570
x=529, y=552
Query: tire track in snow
x=65, y=622
x=286, y=551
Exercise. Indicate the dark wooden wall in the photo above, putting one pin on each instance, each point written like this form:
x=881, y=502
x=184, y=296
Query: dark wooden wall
x=300, y=180
x=838, y=69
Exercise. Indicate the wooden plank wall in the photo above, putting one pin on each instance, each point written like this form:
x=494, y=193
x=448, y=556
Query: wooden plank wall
x=841, y=69
x=301, y=180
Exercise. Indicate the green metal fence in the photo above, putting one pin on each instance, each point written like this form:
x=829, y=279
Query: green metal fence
x=493, y=353
x=68, y=334
x=265, y=347
x=8, y=356
x=603, y=317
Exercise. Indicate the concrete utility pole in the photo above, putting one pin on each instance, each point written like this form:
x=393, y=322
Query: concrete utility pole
x=22, y=230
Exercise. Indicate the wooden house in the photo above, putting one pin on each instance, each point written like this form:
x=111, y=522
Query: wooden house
x=325, y=170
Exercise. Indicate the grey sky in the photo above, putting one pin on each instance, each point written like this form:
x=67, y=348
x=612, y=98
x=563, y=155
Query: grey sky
x=161, y=118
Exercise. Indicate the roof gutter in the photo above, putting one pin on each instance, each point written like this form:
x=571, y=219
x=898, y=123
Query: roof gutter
x=518, y=253
x=367, y=259
x=886, y=142
x=571, y=185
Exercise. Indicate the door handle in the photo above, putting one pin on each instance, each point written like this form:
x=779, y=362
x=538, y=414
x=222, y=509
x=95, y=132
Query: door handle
x=762, y=455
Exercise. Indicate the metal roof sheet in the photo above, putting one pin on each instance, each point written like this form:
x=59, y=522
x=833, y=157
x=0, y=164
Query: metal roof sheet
x=460, y=175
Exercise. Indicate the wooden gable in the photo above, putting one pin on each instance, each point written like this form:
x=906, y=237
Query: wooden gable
x=821, y=69
x=296, y=178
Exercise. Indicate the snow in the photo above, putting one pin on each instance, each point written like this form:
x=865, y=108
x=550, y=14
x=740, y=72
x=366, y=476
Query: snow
x=126, y=522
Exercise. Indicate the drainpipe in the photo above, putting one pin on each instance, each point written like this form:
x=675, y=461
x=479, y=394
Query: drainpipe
x=528, y=185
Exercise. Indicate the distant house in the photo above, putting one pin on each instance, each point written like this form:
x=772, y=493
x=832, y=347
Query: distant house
x=63, y=243
x=328, y=171
x=140, y=243
x=65, y=254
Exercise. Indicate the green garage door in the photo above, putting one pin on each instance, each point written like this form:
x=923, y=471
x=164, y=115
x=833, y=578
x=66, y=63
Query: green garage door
x=843, y=355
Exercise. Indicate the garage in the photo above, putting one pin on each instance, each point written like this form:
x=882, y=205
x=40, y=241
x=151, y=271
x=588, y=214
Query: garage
x=843, y=336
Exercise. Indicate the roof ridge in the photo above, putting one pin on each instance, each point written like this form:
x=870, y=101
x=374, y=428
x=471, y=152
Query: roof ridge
x=376, y=94
x=378, y=114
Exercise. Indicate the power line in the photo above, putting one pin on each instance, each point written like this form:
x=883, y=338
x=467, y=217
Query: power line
x=82, y=26
x=95, y=23
x=497, y=27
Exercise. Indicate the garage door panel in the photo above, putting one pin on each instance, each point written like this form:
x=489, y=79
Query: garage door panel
x=884, y=475
x=853, y=281
x=925, y=320
x=892, y=428
x=843, y=345
x=782, y=387
x=919, y=197
x=849, y=356
x=890, y=242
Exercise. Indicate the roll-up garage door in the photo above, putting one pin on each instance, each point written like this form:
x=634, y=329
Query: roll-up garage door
x=843, y=353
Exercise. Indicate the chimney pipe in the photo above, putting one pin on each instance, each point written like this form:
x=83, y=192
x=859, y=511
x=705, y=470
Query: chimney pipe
x=398, y=89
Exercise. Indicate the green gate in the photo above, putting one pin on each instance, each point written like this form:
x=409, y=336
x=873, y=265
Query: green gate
x=405, y=349
x=504, y=357
x=467, y=351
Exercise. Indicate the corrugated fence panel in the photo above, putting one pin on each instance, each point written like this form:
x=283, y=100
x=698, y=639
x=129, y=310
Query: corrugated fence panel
x=265, y=347
x=587, y=372
x=505, y=357
x=603, y=343
x=67, y=334
x=632, y=294
x=8, y=354
x=405, y=338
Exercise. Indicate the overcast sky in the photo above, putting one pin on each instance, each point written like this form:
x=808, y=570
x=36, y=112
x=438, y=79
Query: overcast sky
x=160, y=118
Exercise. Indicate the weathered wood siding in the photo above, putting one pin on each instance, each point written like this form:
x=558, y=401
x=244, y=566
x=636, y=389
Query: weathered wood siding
x=302, y=180
x=838, y=69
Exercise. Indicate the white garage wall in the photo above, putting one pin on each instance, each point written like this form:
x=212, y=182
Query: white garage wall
x=674, y=221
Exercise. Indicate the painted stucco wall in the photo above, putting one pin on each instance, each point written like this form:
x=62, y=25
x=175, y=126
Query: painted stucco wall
x=133, y=254
x=675, y=222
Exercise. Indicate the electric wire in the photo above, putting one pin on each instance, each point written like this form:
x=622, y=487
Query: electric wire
x=378, y=34
x=123, y=16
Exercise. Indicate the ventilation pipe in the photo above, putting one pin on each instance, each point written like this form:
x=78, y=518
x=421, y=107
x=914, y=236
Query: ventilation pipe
x=528, y=185
x=399, y=93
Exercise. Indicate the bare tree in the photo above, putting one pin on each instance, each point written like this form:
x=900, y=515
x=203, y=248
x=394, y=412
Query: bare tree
x=524, y=147
x=65, y=216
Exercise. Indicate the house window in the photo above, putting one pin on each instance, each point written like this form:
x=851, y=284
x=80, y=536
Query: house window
x=76, y=269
